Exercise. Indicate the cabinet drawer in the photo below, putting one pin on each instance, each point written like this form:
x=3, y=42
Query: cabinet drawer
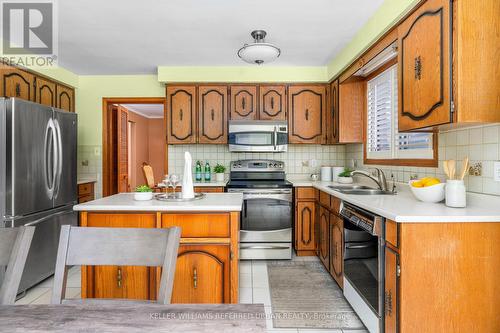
x=305, y=193
x=208, y=189
x=202, y=225
x=85, y=189
x=335, y=204
x=324, y=199
x=85, y=198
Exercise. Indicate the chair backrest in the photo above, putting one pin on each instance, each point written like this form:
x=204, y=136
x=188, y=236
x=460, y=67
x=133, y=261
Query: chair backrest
x=117, y=246
x=14, y=247
x=148, y=174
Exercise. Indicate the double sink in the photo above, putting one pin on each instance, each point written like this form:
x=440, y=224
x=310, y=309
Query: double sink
x=359, y=189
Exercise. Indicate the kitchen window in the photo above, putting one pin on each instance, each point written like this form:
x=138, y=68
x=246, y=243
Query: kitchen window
x=384, y=144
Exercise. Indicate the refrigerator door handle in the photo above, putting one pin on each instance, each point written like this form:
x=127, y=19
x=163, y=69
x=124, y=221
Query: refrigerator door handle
x=59, y=155
x=50, y=173
x=64, y=212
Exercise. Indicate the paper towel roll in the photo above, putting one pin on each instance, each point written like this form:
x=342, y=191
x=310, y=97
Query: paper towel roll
x=335, y=172
x=326, y=174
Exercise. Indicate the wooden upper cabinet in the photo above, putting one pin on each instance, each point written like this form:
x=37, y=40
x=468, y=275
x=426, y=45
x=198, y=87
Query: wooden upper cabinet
x=212, y=114
x=333, y=113
x=307, y=114
x=202, y=274
x=45, y=92
x=17, y=83
x=336, y=248
x=244, y=102
x=424, y=67
x=65, y=98
x=305, y=226
x=181, y=114
x=272, y=102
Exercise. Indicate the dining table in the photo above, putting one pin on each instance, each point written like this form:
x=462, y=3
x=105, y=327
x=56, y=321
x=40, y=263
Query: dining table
x=133, y=317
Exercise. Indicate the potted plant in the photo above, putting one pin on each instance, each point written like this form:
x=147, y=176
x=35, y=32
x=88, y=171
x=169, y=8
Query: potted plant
x=345, y=177
x=219, y=172
x=143, y=193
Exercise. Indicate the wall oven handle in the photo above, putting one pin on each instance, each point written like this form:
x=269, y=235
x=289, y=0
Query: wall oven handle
x=359, y=245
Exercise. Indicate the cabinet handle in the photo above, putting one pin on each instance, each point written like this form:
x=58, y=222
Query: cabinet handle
x=181, y=114
x=243, y=103
x=272, y=102
x=388, y=303
x=418, y=68
x=212, y=114
x=18, y=90
x=195, y=278
x=119, y=277
x=307, y=114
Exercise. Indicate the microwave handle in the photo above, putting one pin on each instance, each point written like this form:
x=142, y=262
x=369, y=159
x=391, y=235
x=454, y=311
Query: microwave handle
x=275, y=137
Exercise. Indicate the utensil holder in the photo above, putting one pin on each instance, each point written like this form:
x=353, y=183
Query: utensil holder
x=455, y=193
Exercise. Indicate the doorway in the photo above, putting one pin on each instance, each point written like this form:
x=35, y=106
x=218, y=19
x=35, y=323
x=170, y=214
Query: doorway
x=133, y=134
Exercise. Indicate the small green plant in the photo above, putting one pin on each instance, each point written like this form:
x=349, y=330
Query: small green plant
x=219, y=168
x=346, y=173
x=143, y=188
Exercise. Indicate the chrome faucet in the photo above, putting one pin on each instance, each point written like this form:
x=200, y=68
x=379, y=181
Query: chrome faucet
x=380, y=179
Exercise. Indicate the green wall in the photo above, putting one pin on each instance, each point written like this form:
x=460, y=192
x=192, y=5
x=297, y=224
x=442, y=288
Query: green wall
x=384, y=18
x=92, y=89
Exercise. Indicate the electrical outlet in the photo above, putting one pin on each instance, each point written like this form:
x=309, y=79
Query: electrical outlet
x=97, y=151
x=496, y=171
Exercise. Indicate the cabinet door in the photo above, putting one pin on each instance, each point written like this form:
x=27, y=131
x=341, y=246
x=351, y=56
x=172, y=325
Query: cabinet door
x=272, y=102
x=181, y=114
x=212, y=114
x=45, y=92
x=17, y=83
x=424, y=67
x=244, y=102
x=305, y=226
x=336, y=246
x=391, y=291
x=128, y=282
x=202, y=274
x=307, y=114
x=333, y=113
x=65, y=98
x=324, y=234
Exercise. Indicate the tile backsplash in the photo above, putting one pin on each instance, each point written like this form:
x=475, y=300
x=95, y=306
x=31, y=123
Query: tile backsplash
x=90, y=165
x=300, y=160
x=480, y=144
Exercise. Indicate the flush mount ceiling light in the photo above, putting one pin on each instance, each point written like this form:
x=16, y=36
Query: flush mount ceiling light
x=259, y=51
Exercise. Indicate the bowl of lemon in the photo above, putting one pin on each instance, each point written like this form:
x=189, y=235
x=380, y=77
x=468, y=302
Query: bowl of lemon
x=428, y=189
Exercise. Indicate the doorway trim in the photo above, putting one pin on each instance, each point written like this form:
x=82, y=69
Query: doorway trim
x=106, y=158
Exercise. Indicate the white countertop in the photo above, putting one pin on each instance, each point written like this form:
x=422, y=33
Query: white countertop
x=405, y=208
x=86, y=180
x=220, y=202
x=212, y=183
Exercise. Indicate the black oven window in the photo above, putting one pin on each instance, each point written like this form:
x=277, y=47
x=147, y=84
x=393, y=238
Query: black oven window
x=266, y=215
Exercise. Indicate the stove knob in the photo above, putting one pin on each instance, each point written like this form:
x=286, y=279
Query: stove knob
x=281, y=165
x=270, y=165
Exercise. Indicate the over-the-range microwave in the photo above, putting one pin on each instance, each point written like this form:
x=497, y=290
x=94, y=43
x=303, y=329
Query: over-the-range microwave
x=258, y=136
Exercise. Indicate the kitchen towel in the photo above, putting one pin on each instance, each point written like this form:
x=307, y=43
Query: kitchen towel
x=187, y=179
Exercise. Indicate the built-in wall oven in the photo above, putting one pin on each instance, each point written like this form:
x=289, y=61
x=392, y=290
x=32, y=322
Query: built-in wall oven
x=364, y=264
x=258, y=136
x=266, y=217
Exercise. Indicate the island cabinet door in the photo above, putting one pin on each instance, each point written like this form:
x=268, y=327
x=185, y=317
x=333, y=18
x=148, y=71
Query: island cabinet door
x=212, y=114
x=129, y=282
x=202, y=274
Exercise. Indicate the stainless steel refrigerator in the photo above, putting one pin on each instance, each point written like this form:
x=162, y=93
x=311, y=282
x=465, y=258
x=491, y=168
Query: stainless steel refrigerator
x=37, y=178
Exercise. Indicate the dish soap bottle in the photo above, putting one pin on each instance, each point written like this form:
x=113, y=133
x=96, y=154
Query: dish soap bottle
x=198, y=171
x=207, y=172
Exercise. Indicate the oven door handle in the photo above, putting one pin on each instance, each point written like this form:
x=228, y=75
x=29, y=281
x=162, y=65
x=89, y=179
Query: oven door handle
x=280, y=197
x=360, y=245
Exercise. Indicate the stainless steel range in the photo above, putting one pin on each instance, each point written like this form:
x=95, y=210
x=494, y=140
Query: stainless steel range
x=266, y=218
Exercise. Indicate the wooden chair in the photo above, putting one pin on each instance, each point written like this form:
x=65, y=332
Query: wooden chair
x=14, y=247
x=116, y=246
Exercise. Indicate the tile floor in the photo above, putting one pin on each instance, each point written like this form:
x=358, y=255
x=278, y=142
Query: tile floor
x=254, y=288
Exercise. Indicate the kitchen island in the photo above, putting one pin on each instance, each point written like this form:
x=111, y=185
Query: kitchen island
x=207, y=264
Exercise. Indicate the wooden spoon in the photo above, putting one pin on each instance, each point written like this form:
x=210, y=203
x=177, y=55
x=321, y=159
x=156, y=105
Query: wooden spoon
x=465, y=167
x=451, y=167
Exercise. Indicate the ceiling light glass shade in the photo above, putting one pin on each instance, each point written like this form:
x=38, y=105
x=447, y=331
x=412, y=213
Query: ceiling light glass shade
x=259, y=52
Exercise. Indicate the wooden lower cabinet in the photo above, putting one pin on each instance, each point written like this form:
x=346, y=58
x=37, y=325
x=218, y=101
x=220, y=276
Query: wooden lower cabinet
x=391, y=290
x=305, y=225
x=324, y=236
x=207, y=264
x=336, y=248
x=201, y=274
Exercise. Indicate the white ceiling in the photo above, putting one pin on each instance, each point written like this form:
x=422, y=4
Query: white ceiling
x=134, y=37
x=146, y=110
